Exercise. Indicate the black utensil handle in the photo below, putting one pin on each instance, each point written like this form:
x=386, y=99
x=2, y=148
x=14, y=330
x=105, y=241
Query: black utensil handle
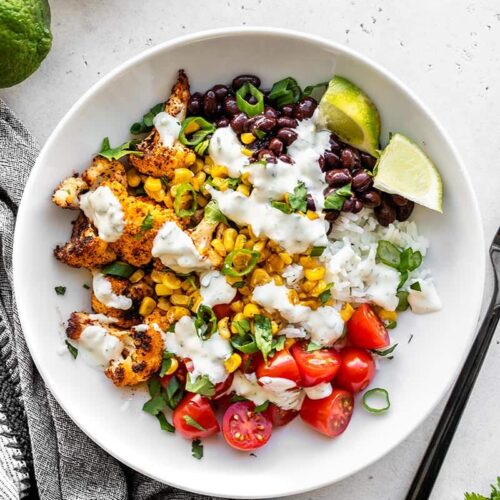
x=430, y=465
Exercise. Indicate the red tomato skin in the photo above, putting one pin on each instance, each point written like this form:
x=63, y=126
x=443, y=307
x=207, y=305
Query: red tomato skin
x=222, y=310
x=329, y=416
x=222, y=387
x=250, y=362
x=278, y=416
x=366, y=330
x=241, y=432
x=198, y=408
x=357, y=370
x=281, y=365
x=317, y=366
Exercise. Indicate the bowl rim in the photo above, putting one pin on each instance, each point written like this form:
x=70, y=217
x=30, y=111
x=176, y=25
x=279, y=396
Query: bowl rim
x=236, y=31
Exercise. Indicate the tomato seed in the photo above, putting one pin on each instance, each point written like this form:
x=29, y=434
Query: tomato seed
x=235, y=417
x=259, y=437
x=237, y=435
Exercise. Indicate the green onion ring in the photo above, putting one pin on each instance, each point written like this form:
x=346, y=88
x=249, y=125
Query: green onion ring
x=373, y=392
x=181, y=190
x=228, y=269
x=244, y=105
x=200, y=135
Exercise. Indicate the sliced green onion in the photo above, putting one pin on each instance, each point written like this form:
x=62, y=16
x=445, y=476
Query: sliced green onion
x=317, y=251
x=228, y=268
x=245, y=344
x=385, y=352
x=242, y=326
x=201, y=148
x=416, y=286
x=205, y=322
x=205, y=128
x=377, y=393
x=281, y=205
x=213, y=215
x=181, y=190
x=403, y=301
x=262, y=407
x=286, y=91
x=120, y=269
x=388, y=254
x=244, y=105
x=311, y=88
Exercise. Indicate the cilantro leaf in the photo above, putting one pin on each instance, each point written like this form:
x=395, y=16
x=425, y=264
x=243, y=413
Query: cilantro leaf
x=154, y=405
x=385, y=352
x=193, y=423
x=494, y=495
x=60, y=290
x=201, y=385
x=335, y=201
x=298, y=199
x=197, y=449
x=166, y=363
x=174, y=393
x=325, y=296
x=72, y=349
x=116, y=153
x=146, y=225
x=147, y=120
x=281, y=205
x=165, y=425
x=119, y=269
x=263, y=334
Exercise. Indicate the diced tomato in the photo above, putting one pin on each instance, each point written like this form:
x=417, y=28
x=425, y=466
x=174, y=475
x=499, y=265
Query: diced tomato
x=250, y=362
x=315, y=367
x=281, y=365
x=222, y=310
x=357, y=369
x=180, y=373
x=193, y=411
x=366, y=330
x=222, y=387
x=244, y=429
x=279, y=416
x=331, y=415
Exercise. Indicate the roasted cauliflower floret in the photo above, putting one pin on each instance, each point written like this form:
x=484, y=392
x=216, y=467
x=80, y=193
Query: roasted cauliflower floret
x=85, y=248
x=140, y=357
x=66, y=194
x=159, y=160
x=202, y=235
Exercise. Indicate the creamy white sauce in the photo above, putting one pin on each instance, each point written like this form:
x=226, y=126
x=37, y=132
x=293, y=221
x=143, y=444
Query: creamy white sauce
x=248, y=387
x=293, y=332
x=143, y=327
x=176, y=250
x=295, y=233
x=103, y=209
x=215, y=289
x=207, y=356
x=325, y=326
x=102, y=318
x=225, y=149
x=277, y=384
x=382, y=286
x=100, y=346
x=168, y=127
x=293, y=274
x=319, y=391
x=105, y=295
x=425, y=301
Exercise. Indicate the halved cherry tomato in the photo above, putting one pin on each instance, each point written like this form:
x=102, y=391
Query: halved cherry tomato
x=279, y=416
x=222, y=387
x=250, y=362
x=244, y=429
x=315, y=367
x=366, y=330
x=222, y=310
x=330, y=415
x=195, y=408
x=357, y=369
x=281, y=365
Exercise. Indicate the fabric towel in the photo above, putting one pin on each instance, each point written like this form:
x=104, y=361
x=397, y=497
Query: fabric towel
x=42, y=452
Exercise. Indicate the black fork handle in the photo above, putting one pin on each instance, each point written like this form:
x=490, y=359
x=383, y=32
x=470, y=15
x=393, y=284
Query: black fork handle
x=430, y=465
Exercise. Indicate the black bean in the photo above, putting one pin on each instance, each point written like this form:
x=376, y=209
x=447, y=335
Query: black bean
x=348, y=205
x=331, y=215
x=321, y=163
x=371, y=199
x=270, y=112
x=305, y=108
x=220, y=91
x=265, y=154
x=286, y=135
x=399, y=201
x=220, y=109
x=222, y=122
x=286, y=121
x=385, y=213
x=260, y=122
x=362, y=181
x=331, y=160
x=230, y=106
x=338, y=177
x=195, y=105
x=350, y=158
x=368, y=161
x=276, y=146
x=285, y=159
x=210, y=103
x=357, y=205
x=240, y=80
x=238, y=122
x=403, y=213
x=287, y=110
x=310, y=203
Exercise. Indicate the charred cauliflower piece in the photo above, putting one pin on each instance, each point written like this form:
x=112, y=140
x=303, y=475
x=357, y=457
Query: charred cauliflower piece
x=66, y=194
x=142, y=349
x=159, y=160
x=85, y=248
x=202, y=235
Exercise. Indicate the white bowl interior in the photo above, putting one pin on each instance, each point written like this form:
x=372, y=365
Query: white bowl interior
x=297, y=459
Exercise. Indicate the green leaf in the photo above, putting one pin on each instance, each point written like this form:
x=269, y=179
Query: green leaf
x=475, y=496
x=201, y=385
x=72, y=349
x=262, y=407
x=402, y=280
x=298, y=199
x=154, y=386
x=154, y=405
x=335, y=201
x=278, y=343
x=281, y=205
x=147, y=120
x=120, y=269
x=165, y=425
x=309, y=90
x=312, y=346
x=205, y=322
x=416, y=286
x=317, y=251
x=385, y=352
x=242, y=326
x=403, y=301
x=174, y=393
x=244, y=343
x=197, y=449
x=60, y=290
x=285, y=91
x=325, y=296
x=193, y=423
x=116, y=153
x=146, y=225
x=213, y=215
x=263, y=334
x=233, y=182
x=166, y=362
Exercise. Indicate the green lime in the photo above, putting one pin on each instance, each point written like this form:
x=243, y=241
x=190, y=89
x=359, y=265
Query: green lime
x=25, y=38
x=351, y=114
x=404, y=169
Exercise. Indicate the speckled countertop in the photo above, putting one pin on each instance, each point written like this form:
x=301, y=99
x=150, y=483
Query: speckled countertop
x=447, y=51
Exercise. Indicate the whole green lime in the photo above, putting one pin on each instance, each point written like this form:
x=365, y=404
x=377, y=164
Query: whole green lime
x=25, y=38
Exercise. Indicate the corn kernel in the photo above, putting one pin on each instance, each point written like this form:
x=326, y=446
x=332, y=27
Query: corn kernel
x=239, y=317
x=307, y=286
x=289, y=343
x=307, y=262
x=278, y=280
x=233, y=362
x=229, y=238
x=315, y=274
x=319, y=288
x=174, y=364
x=259, y=277
x=156, y=195
x=189, y=159
x=201, y=177
x=245, y=290
x=346, y=312
x=223, y=328
x=247, y=138
x=202, y=201
x=162, y=290
x=208, y=161
x=247, y=152
x=157, y=276
x=171, y=280
x=293, y=297
x=218, y=246
x=274, y=327
x=240, y=242
x=276, y=263
x=218, y=171
x=153, y=184
x=243, y=189
x=137, y=276
x=311, y=215
x=163, y=304
x=133, y=178
x=386, y=315
x=250, y=310
x=245, y=178
x=178, y=299
x=233, y=279
x=147, y=306
x=169, y=202
x=198, y=166
x=191, y=128
x=173, y=190
x=259, y=246
x=179, y=312
x=220, y=183
x=182, y=175
x=237, y=306
x=285, y=258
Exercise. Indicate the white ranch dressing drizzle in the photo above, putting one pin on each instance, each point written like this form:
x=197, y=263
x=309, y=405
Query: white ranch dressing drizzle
x=214, y=289
x=225, y=150
x=176, y=250
x=319, y=391
x=103, y=291
x=426, y=300
x=207, y=356
x=99, y=345
x=103, y=209
x=168, y=128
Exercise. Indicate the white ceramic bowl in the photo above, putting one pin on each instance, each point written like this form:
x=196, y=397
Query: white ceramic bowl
x=297, y=459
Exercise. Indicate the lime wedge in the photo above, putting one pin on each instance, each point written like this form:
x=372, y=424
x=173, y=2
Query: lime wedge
x=404, y=169
x=350, y=113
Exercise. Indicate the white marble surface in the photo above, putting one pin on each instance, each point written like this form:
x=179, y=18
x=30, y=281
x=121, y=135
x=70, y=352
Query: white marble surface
x=447, y=51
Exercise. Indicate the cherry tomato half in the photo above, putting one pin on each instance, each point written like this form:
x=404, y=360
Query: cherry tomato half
x=279, y=416
x=250, y=362
x=244, y=429
x=222, y=387
x=357, y=369
x=195, y=409
x=281, y=365
x=330, y=415
x=315, y=367
x=222, y=310
x=366, y=330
